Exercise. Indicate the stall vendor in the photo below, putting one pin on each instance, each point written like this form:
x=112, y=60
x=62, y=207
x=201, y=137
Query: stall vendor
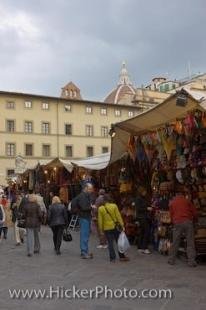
x=183, y=214
x=143, y=212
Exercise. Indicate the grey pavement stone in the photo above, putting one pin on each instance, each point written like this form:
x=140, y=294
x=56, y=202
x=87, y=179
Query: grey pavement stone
x=17, y=271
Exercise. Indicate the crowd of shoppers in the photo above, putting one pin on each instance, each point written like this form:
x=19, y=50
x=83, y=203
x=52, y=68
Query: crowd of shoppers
x=28, y=212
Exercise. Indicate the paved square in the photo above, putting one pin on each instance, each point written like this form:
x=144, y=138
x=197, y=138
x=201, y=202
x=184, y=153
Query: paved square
x=17, y=271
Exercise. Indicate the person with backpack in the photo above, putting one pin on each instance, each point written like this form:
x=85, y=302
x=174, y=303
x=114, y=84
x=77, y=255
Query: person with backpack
x=111, y=224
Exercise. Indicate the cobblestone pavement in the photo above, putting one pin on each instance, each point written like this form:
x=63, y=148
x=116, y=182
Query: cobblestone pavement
x=17, y=271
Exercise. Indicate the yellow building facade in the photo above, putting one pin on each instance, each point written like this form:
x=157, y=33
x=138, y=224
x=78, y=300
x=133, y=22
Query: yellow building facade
x=40, y=127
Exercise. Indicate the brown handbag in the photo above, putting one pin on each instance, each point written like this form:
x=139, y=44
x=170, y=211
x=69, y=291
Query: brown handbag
x=165, y=217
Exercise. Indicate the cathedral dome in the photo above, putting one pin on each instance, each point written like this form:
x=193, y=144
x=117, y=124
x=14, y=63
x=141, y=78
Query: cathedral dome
x=124, y=92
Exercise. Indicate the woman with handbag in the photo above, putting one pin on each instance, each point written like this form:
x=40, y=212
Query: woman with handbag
x=32, y=216
x=111, y=224
x=58, y=220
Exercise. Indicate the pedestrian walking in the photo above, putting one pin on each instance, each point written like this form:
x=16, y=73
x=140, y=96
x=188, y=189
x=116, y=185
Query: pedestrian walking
x=57, y=220
x=33, y=216
x=82, y=205
x=110, y=224
x=8, y=217
x=19, y=233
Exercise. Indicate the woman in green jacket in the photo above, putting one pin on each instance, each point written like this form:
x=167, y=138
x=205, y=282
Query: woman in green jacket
x=109, y=218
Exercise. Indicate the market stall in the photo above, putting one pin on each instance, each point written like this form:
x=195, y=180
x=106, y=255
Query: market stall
x=101, y=169
x=167, y=146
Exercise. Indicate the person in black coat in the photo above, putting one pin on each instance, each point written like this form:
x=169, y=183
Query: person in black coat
x=58, y=220
x=143, y=211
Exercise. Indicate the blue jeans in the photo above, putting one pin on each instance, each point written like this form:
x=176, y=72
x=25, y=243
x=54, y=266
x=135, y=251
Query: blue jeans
x=33, y=243
x=84, y=235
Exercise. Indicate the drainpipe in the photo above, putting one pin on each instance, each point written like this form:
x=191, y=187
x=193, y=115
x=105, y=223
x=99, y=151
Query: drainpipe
x=58, y=129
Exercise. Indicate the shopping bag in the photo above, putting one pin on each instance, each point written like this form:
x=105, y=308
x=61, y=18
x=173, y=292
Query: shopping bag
x=123, y=243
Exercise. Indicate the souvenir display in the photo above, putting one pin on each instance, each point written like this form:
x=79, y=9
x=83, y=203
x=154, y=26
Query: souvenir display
x=173, y=158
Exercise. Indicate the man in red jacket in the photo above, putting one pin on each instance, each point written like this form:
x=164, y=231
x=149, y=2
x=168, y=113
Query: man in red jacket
x=183, y=214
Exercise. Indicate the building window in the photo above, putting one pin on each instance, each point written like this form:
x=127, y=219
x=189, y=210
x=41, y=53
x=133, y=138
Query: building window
x=28, y=127
x=161, y=88
x=105, y=149
x=28, y=104
x=28, y=149
x=68, y=150
x=167, y=87
x=103, y=111
x=68, y=129
x=74, y=94
x=10, y=172
x=88, y=110
x=10, y=149
x=10, y=105
x=46, y=150
x=45, y=106
x=10, y=125
x=104, y=131
x=45, y=128
x=66, y=92
x=131, y=113
x=70, y=93
x=90, y=151
x=117, y=112
x=89, y=130
x=67, y=107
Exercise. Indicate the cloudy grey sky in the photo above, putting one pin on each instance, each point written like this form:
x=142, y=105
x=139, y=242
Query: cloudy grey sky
x=47, y=43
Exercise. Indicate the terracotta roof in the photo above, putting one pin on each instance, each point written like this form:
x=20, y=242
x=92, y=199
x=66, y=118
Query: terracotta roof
x=70, y=90
x=70, y=85
x=119, y=93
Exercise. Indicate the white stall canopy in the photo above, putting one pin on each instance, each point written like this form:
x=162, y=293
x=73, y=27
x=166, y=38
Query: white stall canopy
x=93, y=163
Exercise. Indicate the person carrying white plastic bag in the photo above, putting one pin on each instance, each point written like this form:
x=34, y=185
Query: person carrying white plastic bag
x=111, y=224
x=123, y=243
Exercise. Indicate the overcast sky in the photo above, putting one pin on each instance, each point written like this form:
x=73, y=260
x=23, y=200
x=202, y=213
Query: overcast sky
x=47, y=43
